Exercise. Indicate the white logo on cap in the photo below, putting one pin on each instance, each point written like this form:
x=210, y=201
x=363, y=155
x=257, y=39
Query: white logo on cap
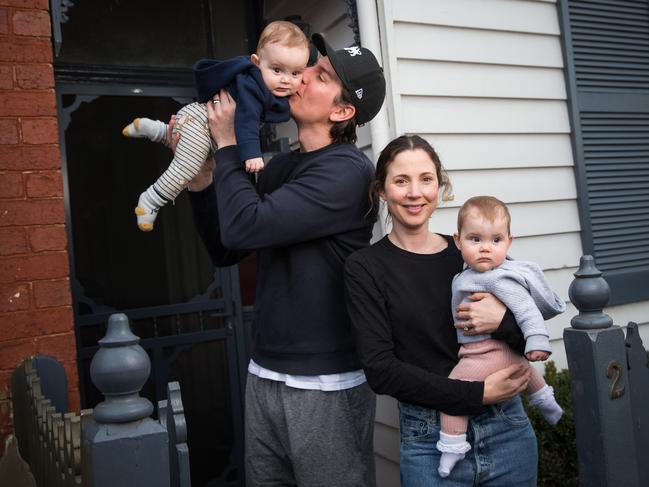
x=354, y=51
x=359, y=93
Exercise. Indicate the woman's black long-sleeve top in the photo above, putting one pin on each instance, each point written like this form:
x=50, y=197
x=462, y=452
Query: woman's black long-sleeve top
x=400, y=306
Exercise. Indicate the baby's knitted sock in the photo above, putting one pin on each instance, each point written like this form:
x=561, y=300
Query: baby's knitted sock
x=545, y=401
x=154, y=130
x=453, y=448
x=147, y=209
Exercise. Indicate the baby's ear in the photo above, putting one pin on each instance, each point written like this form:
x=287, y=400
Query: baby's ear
x=254, y=59
x=456, y=238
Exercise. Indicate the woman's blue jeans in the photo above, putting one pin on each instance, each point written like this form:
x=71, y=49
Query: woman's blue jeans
x=503, y=448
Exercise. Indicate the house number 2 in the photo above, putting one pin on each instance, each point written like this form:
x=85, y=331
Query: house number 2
x=614, y=371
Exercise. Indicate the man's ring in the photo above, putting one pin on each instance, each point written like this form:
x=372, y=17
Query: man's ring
x=216, y=100
x=466, y=328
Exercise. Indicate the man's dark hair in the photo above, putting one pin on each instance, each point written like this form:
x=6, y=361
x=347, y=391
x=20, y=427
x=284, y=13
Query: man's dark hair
x=344, y=132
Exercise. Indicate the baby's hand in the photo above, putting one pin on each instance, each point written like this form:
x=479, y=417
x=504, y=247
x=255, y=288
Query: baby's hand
x=537, y=355
x=254, y=165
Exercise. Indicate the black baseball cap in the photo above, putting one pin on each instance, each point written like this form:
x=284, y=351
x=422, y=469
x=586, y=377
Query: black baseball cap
x=360, y=74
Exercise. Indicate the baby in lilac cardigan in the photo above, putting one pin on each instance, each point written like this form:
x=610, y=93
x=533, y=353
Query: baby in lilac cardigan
x=484, y=238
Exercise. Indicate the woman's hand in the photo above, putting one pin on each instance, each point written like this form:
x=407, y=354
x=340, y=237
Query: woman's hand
x=503, y=385
x=220, y=116
x=482, y=315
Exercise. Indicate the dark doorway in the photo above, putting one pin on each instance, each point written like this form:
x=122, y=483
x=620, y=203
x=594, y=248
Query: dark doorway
x=186, y=312
x=117, y=61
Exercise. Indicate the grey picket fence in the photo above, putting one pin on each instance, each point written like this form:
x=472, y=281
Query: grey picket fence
x=116, y=443
x=609, y=380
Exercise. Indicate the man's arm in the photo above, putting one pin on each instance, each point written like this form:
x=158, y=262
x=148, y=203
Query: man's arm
x=328, y=198
x=206, y=219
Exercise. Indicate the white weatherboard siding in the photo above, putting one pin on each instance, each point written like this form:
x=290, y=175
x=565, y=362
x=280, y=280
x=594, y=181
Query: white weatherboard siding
x=458, y=44
x=420, y=77
x=495, y=151
x=499, y=15
x=483, y=81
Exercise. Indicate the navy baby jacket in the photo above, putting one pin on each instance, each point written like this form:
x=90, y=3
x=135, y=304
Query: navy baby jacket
x=255, y=103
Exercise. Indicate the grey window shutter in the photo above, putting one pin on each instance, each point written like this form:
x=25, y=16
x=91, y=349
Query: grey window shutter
x=606, y=54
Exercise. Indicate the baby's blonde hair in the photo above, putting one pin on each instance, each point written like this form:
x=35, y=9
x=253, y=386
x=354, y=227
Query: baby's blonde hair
x=282, y=32
x=488, y=206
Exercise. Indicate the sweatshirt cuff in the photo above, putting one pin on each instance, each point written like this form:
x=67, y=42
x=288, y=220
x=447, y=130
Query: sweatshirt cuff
x=225, y=154
x=537, y=342
x=475, y=393
x=249, y=150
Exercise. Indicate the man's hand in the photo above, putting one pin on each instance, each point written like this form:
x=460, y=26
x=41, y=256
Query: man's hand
x=503, y=385
x=482, y=315
x=537, y=355
x=204, y=177
x=220, y=117
x=173, y=139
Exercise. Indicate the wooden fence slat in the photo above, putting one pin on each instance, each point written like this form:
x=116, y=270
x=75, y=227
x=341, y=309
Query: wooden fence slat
x=171, y=414
x=51, y=439
x=75, y=446
x=639, y=392
x=60, y=448
x=14, y=471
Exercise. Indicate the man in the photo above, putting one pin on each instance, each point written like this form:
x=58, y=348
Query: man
x=309, y=411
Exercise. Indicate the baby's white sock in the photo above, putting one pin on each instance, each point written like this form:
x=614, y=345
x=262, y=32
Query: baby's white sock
x=147, y=209
x=453, y=448
x=154, y=130
x=545, y=401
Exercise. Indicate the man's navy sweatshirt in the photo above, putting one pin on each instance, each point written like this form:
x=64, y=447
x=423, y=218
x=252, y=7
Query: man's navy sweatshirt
x=308, y=212
x=255, y=103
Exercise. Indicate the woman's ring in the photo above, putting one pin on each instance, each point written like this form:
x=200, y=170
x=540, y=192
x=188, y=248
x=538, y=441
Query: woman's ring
x=466, y=328
x=216, y=100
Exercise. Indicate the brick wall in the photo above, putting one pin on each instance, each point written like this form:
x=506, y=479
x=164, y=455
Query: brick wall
x=35, y=301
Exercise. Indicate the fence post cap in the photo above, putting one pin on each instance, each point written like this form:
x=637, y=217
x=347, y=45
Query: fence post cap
x=119, y=369
x=118, y=332
x=587, y=267
x=589, y=292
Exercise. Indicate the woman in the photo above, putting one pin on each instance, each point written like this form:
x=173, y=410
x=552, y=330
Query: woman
x=399, y=299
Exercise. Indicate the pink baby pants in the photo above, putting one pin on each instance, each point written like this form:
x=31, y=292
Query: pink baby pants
x=477, y=361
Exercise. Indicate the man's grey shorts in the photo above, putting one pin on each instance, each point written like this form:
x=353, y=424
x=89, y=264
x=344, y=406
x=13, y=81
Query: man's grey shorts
x=307, y=438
